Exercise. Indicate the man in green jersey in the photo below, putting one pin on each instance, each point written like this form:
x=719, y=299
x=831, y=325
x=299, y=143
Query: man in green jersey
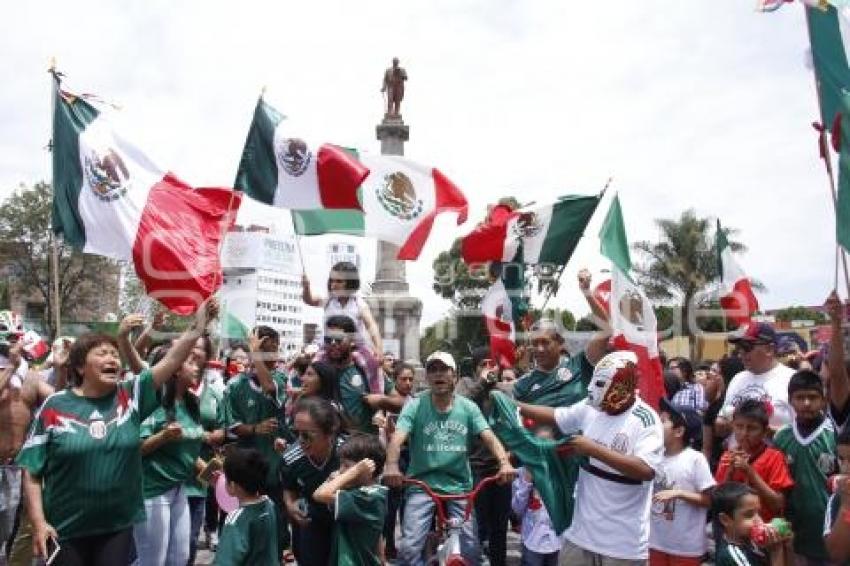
x=358, y=404
x=439, y=426
x=254, y=406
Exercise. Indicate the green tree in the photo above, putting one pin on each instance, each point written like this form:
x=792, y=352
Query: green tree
x=682, y=263
x=25, y=226
x=800, y=313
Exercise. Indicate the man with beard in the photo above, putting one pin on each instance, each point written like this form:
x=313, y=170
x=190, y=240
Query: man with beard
x=21, y=392
x=439, y=426
x=358, y=405
x=621, y=439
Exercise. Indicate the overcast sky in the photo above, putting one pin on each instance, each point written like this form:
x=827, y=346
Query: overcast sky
x=704, y=105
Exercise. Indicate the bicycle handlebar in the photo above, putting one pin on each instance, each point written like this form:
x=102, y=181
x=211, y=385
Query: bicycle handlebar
x=439, y=499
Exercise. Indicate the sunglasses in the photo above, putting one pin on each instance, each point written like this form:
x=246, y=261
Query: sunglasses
x=329, y=340
x=307, y=436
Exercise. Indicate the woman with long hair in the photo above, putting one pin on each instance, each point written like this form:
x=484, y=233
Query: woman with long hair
x=82, y=461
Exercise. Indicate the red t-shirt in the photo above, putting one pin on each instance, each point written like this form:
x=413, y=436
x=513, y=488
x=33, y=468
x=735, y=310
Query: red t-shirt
x=770, y=466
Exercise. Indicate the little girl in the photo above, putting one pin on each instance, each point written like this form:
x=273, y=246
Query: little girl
x=343, y=299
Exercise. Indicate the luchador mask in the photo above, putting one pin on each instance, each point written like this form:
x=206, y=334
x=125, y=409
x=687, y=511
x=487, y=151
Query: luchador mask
x=612, y=386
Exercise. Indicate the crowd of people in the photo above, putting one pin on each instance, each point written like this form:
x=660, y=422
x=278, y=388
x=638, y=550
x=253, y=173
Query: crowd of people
x=118, y=450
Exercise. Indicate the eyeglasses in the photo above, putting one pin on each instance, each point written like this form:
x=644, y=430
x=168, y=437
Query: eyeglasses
x=334, y=340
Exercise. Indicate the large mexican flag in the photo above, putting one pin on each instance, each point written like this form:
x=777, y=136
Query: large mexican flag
x=400, y=200
x=110, y=199
x=282, y=170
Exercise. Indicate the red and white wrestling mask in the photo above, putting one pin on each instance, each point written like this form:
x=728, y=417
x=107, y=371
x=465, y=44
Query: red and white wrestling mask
x=612, y=387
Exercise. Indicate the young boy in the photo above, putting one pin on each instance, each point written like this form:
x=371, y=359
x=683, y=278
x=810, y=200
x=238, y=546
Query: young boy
x=359, y=502
x=836, y=527
x=736, y=507
x=809, y=447
x=681, y=494
x=753, y=462
x=249, y=535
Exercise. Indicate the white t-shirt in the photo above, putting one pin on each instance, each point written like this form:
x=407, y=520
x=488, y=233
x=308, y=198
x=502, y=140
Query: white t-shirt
x=677, y=527
x=353, y=309
x=771, y=385
x=611, y=517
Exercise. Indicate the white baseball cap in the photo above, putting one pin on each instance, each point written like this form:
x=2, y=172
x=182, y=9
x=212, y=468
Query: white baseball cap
x=444, y=357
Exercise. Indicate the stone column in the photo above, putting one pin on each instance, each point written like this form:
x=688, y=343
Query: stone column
x=390, y=298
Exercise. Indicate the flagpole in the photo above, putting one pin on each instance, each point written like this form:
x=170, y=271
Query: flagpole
x=823, y=149
x=298, y=244
x=54, y=249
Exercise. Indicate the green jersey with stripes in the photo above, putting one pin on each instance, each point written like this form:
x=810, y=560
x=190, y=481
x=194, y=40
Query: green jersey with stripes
x=173, y=463
x=86, y=451
x=246, y=403
x=730, y=554
x=249, y=536
x=811, y=460
x=359, y=514
x=303, y=476
x=211, y=403
x=563, y=386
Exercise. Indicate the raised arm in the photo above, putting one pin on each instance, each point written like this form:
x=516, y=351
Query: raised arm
x=839, y=384
x=125, y=347
x=363, y=470
x=182, y=347
x=371, y=328
x=145, y=339
x=14, y=362
x=539, y=413
x=306, y=293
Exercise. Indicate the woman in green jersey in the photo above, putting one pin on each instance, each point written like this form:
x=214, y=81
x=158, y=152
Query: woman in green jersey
x=82, y=463
x=306, y=466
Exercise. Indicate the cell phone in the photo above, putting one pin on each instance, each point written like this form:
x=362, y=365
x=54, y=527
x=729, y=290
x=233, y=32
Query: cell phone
x=52, y=550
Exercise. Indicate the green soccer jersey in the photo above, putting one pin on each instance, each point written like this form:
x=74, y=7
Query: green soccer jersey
x=86, y=450
x=249, y=536
x=359, y=514
x=352, y=387
x=811, y=461
x=211, y=403
x=246, y=403
x=561, y=387
x=729, y=554
x=439, y=442
x=299, y=474
x=173, y=463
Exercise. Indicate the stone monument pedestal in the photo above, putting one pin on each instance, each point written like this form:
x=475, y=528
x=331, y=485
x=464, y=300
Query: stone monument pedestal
x=396, y=312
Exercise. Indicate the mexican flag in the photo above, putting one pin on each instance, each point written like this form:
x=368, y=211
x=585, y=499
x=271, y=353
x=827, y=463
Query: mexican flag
x=110, y=199
x=497, y=308
x=400, y=200
x=544, y=234
x=285, y=171
x=829, y=32
x=736, y=294
x=554, y=472
x=633, y=322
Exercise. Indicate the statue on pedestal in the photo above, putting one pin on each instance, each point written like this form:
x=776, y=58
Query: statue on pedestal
x=394, y=78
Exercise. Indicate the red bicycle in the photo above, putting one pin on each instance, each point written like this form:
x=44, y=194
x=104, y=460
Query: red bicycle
x=444, y=548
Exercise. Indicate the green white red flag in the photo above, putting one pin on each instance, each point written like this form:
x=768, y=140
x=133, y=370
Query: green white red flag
x=111, y=199
x=633, y=323
x=282, y=170
x=539, y=234
x=497, y=308
x=736, y=292
x=400, y=200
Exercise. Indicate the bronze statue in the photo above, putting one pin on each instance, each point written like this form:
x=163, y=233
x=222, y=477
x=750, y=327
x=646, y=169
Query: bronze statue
x=394, y=78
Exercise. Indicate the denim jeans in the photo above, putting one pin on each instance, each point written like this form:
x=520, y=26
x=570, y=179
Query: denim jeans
x=418, y=511
x=197, y=508
x=10, y=499
x=163, y=539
